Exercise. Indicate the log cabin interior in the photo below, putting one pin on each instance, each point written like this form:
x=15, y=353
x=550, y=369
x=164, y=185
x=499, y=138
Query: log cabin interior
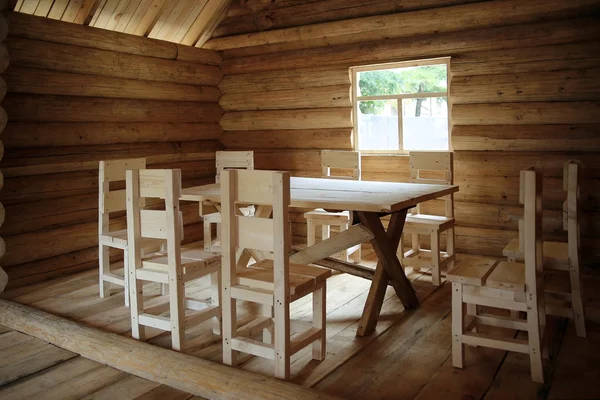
x=512, y=85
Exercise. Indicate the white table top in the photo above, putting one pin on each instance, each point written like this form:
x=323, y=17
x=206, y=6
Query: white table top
x=335, y=194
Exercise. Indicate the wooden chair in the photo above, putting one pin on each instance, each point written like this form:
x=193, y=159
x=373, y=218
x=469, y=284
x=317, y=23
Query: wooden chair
x=417, y=223
x=175, y=266
x=113, y=201
x=225, y=160
x=273, y=283
x=338, y=161
x=560, y=257
x=505, y=285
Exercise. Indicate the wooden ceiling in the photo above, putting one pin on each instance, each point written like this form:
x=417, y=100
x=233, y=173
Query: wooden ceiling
x=189, y=22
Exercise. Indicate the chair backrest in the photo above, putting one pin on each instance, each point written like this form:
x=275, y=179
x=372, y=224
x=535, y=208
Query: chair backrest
x=154, y=224
x=233, y=159
x=113, y=171
x=267, y=188
x=341, y=160
x=530, y=195
x=435, y=163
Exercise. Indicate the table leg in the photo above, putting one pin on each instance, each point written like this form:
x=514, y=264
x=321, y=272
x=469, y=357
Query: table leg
x=388, y=268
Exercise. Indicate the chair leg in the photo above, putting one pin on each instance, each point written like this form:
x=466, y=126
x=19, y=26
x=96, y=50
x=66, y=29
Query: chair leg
x=319, y=350
x=458, y=348
x=450, y=246
x=325, y=231
x=415, y=246
x=136, y=297
x=472, y=311
x=104, y=268
x=126, y=276
x=215, y=294
x=310, y=232
x=281, y=339
x=207, y=235
x=177, y=311
x=436, y=274
x=576, y=301
x=267, y=311
x=229, y=327
x=534, y=335
x=344, y=253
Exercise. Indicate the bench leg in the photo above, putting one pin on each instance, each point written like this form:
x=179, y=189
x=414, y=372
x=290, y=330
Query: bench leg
x=436, y=273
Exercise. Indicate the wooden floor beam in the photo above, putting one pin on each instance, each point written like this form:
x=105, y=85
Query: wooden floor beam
x=190, y=374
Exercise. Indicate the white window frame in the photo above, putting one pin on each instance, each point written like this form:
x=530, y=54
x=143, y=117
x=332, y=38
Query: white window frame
x=399, y=97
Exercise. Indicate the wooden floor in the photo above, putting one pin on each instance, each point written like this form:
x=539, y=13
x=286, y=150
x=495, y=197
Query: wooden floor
x=407, y=358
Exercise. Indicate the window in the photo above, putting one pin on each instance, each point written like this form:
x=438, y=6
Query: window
x=401, y=106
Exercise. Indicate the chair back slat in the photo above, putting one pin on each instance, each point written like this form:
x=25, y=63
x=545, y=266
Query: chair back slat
x=341, y=160
x=114, y=170
x=233, y=160
x=114, y=201
x=254, y=233
x=153, y=224
x=438, y=163
x=256, y=188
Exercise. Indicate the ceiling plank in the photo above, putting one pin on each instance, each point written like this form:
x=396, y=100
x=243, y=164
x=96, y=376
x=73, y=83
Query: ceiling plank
x=72, y=10
x=178, y=15
x=96, y=13
x=88, y=8
x=162, y=18
x=127, y=15
x=217, y=16
x=189, y=21
x=29, y=6
x=58, y=9
x=43, y=8
x=143, y=22
x=106, y=13
x=117, y=14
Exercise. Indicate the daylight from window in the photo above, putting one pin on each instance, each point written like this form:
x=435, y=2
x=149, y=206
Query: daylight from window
x=402, y=108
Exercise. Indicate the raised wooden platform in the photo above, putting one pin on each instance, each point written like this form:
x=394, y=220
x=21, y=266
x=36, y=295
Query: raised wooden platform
x=407, y=357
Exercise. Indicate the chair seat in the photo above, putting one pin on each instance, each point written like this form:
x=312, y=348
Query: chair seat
x=303, y=279
x=194, y=261
x=319, y=213
x=214, y=218
x=119, y=239
x=489, y=273
x=419, y=222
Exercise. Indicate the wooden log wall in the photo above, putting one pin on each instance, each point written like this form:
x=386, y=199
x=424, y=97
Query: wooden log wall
x=78, y=95
x=524, y=88
x=3, y=120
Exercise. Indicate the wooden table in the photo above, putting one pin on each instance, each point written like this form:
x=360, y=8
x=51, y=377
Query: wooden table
x=369, y=201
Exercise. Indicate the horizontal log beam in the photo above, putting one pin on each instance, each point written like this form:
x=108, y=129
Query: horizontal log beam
x=94, y=61
x=422, y=46
x=189, y=374
x=46, y=108
x=319, y=118
x=527, y=59
x=31, y=27
x=313, y=12
x=573, y=85
x=38, y=81
x=285, y=80
x=46, y=134
x=318, y=97
x=335, y=139
x=534, y=113
x=580, y=138
x=401, y=25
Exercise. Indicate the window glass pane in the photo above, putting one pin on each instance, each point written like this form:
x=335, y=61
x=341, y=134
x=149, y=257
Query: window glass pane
x=407, y=80
x=425, y=123
x=378, y=125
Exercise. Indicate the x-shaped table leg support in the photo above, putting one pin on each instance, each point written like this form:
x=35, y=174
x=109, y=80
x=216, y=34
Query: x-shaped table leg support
x=388, y=270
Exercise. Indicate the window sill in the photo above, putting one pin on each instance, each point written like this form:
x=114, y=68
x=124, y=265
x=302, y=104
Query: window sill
x=383, y=154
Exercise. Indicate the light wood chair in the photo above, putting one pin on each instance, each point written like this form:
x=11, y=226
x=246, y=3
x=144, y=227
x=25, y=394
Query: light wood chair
x=273, y=283
x=225, y=160
x=417, y=223
x=505, y=285
x=113, y=201
x=563, y=294
x=338, y=161
x=175, y=266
